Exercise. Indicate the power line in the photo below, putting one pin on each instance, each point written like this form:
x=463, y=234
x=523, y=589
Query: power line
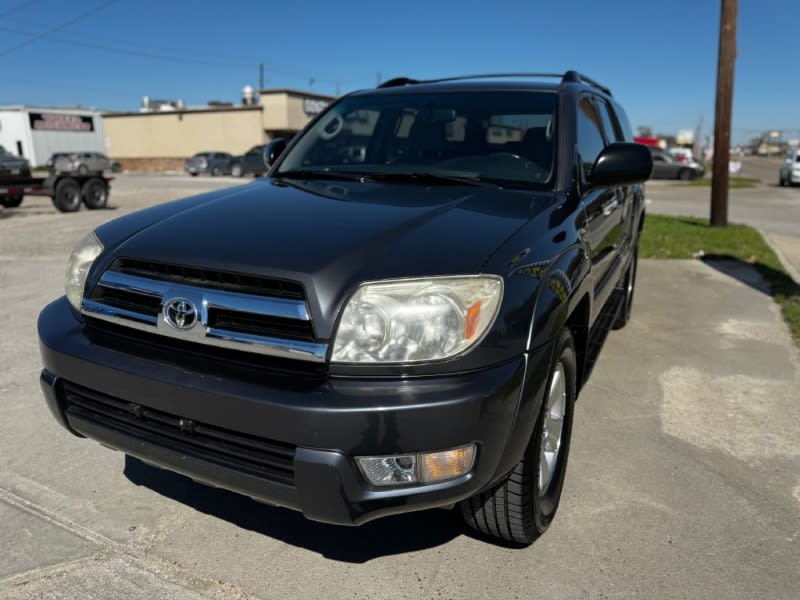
x=16, y=8
x=139, y=53
x=270, y=67
x=58, y=28
x=83, y=88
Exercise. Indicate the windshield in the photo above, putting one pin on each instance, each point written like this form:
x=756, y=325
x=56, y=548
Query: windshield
x=507, y=138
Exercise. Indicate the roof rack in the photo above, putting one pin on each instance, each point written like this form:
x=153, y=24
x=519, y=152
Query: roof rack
x=567, y=77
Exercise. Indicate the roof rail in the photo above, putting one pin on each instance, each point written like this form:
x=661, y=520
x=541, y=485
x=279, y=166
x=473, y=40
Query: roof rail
x=569, y=76
x=581, y=78
x=398, y=81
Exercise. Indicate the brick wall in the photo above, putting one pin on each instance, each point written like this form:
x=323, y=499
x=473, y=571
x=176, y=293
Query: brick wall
x=151, y=164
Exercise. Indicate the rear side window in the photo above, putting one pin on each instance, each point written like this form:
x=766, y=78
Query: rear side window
x=622, y=118
x=610, y=125
x=590, y=138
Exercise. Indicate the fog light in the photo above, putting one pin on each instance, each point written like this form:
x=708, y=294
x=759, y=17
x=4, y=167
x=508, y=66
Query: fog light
x=389, y=470
x=426, y=467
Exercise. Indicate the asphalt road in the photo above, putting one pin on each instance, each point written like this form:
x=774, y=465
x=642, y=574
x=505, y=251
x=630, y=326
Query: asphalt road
x=774, y=210
x=684, y=478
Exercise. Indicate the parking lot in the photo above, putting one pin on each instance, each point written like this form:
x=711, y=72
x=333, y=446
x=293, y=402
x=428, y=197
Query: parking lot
x=684, y=476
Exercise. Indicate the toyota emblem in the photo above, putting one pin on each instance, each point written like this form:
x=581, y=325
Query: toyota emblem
x=180, y=313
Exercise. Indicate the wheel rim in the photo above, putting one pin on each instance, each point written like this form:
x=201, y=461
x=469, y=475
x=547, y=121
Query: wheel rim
x=552, y=428
x=98, y=195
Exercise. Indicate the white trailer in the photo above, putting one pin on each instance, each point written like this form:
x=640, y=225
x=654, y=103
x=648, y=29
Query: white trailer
x=38, y=133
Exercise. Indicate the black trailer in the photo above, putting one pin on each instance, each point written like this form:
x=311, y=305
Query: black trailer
x=66, y=190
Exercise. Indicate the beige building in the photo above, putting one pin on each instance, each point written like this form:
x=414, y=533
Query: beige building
x=163, y=139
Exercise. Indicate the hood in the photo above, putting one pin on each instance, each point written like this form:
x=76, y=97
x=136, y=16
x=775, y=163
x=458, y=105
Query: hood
x=331, y=236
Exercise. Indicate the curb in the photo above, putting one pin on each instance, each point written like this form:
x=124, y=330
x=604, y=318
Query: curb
x=793, y=273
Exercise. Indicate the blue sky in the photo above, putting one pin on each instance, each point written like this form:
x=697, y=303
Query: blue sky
x=659, y=58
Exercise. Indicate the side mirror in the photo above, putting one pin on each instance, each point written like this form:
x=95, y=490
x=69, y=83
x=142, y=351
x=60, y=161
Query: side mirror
x=622, y=163
x=273, y=150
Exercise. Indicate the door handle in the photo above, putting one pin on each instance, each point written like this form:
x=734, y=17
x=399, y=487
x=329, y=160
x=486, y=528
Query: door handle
x=610, y=205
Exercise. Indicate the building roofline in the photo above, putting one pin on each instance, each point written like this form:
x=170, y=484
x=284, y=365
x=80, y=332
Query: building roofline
x=294, y=92
x=183, y=111
x=28, y=107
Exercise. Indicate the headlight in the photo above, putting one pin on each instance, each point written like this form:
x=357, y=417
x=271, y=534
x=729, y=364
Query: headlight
x=80, y=261
x=417, y=319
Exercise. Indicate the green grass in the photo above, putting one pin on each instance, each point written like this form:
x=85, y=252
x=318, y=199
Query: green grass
x=734, y=182
x=684, y=237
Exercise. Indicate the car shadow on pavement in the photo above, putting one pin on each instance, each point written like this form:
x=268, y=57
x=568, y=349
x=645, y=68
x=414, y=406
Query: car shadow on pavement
x=385, y=537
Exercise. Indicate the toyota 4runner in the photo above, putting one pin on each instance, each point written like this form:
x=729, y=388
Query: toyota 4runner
x=399, y=316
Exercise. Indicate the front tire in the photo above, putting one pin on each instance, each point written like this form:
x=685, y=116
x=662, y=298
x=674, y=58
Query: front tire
x=521, y=507
x=236, y=170
x=685, y=175
x=216, y=172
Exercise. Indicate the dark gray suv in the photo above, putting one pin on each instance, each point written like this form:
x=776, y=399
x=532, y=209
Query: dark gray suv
x=400, y=316
x=251, y=162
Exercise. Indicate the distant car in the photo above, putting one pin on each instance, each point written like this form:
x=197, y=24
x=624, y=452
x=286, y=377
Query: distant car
x=50, y=164
x=251, y=161
x=213, y=163
x=82, y=163
x=13, y=169
x=790, y=171
x=12, y=166
x=665, y=166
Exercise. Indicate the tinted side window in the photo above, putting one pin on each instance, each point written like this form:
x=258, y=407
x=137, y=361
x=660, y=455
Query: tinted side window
x=610, y=125
x=590, y=138
x=622, y=118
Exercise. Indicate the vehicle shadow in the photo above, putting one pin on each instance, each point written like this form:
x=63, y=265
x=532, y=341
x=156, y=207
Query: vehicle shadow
x=385, y=537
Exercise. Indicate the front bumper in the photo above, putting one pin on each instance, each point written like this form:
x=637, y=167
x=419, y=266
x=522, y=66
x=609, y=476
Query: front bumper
x=324, y=424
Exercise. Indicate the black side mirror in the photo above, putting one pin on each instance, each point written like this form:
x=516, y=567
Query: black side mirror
x=273, y=150
x=622, y=163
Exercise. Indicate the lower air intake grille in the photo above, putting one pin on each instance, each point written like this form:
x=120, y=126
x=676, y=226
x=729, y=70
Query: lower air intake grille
x=268, y=459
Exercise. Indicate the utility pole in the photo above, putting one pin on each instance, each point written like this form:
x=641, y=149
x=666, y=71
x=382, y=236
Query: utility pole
x=722, y=113
x=260, y=77
x=378, y=78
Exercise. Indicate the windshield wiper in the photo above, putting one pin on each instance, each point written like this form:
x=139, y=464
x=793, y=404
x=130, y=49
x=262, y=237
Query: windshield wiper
x=431, y=177
x=320, y=174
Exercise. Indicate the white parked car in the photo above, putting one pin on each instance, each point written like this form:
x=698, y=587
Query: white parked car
x=790, y=171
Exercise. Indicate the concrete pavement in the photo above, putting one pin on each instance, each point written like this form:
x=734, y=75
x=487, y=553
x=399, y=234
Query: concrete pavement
x=684, y=478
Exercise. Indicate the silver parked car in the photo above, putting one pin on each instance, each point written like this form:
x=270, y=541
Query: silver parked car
x=82, y=163
x=790, y=170
x=214, y=163
x=667, y=166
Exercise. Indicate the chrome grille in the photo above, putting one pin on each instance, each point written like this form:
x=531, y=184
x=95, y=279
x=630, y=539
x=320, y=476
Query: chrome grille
x=207, y=278
x=275, y=326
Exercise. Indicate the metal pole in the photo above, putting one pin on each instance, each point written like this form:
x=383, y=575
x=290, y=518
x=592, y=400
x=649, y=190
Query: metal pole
x=260, y=77
x=722, y=116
